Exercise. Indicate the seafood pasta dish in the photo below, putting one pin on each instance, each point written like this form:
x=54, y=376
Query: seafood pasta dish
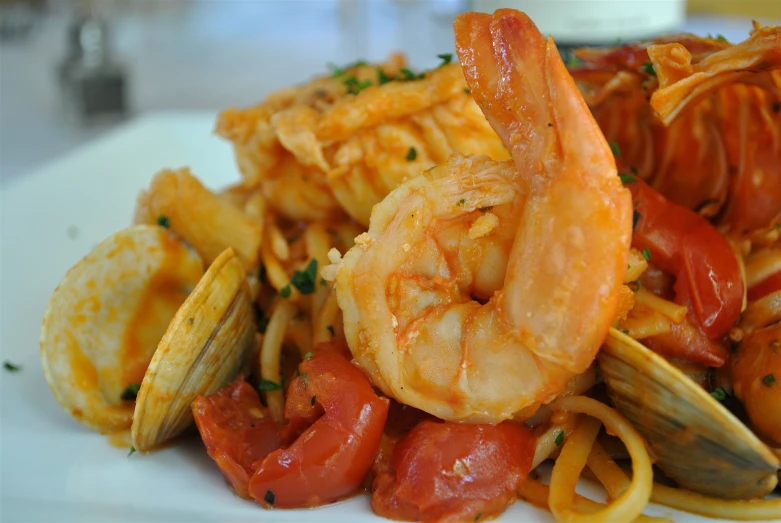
x=426, y=284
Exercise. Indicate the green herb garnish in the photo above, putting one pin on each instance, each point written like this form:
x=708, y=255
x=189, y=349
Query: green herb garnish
x=10, y=367
x=615, y=148
x=446, y=58
x=285, y=291
x=647, y=254
x=461, y=202
x=305, y=280
x=132, y=451
x=130, y=393
x=163, y=221
x=408, y=75
x=308, y=355
x=719, y=394
x=560, y=438
x=627, y=178
x=355, y=86
x=648, y=68
x=382, y=78
x=769, y=380
x=467, y=90
x=635, y=218
x=412, y=154
x=269, y=385
x=721, y=37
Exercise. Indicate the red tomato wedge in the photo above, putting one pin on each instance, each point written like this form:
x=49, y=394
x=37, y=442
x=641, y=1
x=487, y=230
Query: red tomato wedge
x=444, y=471
x=237, y=430
x=336, y=421
x=706, y=270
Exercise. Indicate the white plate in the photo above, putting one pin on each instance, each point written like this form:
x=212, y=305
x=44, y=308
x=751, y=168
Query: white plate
x=53, y=469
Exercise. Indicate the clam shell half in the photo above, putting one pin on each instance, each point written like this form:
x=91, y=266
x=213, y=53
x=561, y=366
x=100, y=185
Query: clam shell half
x=696, y=441
x=105, y=319
x=206, y=345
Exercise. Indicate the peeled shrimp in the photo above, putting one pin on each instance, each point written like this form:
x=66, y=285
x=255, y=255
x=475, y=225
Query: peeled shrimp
x=483, y=287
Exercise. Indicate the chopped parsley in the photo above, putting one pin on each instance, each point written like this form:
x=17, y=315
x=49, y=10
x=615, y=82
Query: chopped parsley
x=722, y=38
x=285, y=291
x=635, y=218
x=573, y=61
x=314, y=399
x=163, y=221
x=132, y=451
x=337, y=71
x=461, y=202
x=560, y=438
x=331, y=330
x=467, y=90
x=305, y=280
x=647, y=254
x=719, y=394
x=769, y=380
x=615, y=148
x=648, y=68
x=633, y=169
x=303, y=379
x=269, y=497
x=627, y=178
x=10, y=367
x=308, y=355
x=408, y=74
x=269, y=385
x=446, y=58
x=382, y=78
x=130, y=393
x=412, y=154
x=355, y=86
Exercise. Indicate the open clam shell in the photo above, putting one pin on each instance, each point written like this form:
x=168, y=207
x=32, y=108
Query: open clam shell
x=206, y=345
x=695, y=440
x=105, y=319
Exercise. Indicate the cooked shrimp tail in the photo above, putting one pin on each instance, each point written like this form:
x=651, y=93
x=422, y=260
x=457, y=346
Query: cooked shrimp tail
x=519, y=81
x=482, y=288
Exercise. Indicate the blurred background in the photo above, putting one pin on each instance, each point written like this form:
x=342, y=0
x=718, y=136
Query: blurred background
x=71, y=70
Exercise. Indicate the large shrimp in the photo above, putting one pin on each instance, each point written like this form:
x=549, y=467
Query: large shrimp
x=482, y=287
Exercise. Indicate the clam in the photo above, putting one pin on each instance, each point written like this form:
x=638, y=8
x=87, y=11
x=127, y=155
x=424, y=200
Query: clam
x=106, y=317
x=696, y=441
x=206, y=345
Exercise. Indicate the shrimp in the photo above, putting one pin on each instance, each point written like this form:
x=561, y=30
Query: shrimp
x=482, y=287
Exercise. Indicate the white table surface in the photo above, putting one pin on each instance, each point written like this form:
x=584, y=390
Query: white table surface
x=211, y=54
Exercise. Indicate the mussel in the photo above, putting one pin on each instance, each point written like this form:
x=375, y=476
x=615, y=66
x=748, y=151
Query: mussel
x=695, y=440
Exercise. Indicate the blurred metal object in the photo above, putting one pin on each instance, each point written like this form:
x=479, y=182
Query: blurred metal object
x=19, y=17
x=94, y=84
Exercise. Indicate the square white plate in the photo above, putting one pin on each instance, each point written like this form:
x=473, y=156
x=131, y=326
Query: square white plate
x=53, y=469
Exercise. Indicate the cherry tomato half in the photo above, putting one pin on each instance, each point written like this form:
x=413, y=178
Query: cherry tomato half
x=237, y=430
x=328, y=459
x=448, y=471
